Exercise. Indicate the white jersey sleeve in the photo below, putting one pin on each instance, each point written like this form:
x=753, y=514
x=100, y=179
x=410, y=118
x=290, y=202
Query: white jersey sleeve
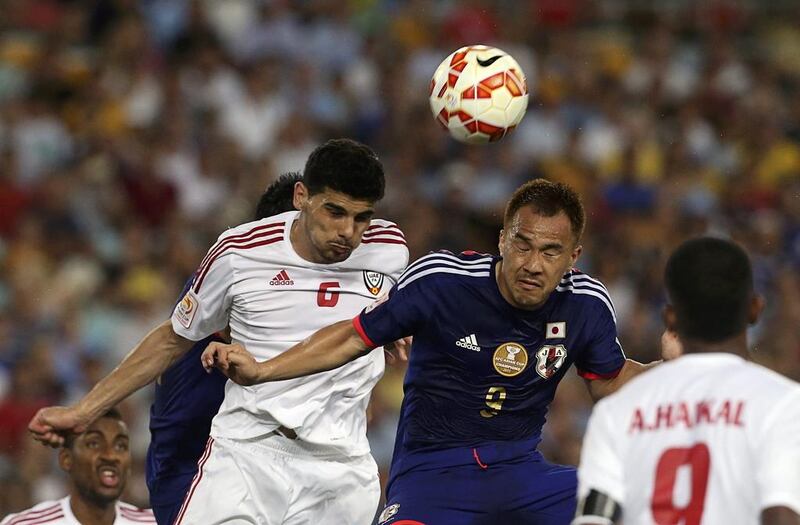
x=205, y=307
x=601, y=466
x=778, y=467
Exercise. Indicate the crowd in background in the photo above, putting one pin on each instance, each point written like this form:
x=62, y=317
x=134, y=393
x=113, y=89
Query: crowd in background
x=133, y=132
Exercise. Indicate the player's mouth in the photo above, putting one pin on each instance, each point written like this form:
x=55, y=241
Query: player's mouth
x=339, y=248
x=109, y=477
x=530, y=285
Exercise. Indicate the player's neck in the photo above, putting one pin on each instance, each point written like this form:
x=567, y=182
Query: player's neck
x=736, y=345
x=91, y=513
x=301, y=243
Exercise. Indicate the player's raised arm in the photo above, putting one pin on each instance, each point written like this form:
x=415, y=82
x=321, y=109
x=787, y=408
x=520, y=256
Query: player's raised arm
x=329, y=348
x=154, y=354
x=202, y=311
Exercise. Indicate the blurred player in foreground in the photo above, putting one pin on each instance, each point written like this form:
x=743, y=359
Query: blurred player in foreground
x=294, y=452
x=97, y=464
x=493, y=336
x=707, y=438
x=187, y=399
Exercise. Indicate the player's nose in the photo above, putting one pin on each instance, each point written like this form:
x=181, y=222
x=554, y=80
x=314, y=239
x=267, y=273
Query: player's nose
x=533, y=263
x=348, y=229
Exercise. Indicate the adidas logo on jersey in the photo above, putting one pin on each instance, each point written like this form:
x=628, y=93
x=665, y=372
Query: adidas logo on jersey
x=282, y=279
x=469, y=342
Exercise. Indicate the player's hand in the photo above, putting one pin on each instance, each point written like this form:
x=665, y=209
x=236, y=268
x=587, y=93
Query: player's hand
x=397, y=351
x=233, y=360
x=670, y=345
x=50, y=426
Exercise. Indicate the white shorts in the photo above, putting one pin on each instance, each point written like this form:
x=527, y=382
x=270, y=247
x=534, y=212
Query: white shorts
x=279, y=481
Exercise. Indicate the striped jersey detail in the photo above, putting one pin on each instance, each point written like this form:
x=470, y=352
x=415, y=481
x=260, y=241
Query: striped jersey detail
x=445, y=263
x=195, y=481
x=581, y=284
x=259, y=236
x=379, y=233
x=35, y=517
x=135, y=514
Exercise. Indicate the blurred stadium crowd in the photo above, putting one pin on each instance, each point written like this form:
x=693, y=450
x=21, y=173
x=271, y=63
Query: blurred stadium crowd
x=133, y=132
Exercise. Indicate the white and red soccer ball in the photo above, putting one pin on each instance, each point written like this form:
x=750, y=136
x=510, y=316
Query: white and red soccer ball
x=479, y=94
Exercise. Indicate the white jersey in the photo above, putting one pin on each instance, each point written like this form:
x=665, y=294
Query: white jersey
x=704, y=439
x=253, y=281
x=59, y=512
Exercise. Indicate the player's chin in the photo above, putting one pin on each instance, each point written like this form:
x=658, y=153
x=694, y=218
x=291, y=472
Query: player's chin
x=108, y=494
x=529, y=298
x=337, y=254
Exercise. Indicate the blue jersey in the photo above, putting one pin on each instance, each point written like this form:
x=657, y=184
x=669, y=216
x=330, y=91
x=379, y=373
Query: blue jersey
x=186, y=400
x=482, y=372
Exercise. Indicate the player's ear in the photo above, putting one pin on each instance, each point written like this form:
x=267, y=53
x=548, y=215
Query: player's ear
x=670, y=319
x=501, y=239
x=300, y=195
x=757, y=305
x=576, y=252
x=65, y=459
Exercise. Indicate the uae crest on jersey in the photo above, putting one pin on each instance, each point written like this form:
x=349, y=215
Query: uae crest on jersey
x=549, y=359
x=373, y=281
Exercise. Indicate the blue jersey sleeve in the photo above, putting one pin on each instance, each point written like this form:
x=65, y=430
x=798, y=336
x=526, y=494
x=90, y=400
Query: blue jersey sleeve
x=603, y=357
x=397, y=315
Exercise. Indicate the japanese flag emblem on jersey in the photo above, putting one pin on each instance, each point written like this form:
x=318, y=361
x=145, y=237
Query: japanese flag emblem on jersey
x=549, y=359
x=185, y=309
x=555, y=330
x=373, y=281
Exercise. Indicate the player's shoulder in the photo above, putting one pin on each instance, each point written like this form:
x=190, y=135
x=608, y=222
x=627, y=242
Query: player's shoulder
x=447, y=267
x=258, y=229
x=47, y=512
x=768, y=383
x=127, y=513
x=383, y=248
x=383, y=234
x=584, y=291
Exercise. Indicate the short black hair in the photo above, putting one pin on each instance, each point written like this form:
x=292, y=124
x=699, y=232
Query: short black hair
x=345, y=166
x=548, y=199
x=112, y=413
x=710, y=285
x=278, y=197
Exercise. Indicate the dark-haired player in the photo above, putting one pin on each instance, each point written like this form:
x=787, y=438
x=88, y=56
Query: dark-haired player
x=493, y=336
x=291, y=452
x=97, y=464
x=708, y=438
x=187, y=399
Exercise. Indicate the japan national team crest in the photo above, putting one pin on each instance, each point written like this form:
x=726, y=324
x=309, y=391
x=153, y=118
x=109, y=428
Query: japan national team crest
x=373, y=281
x=549, y=359
x=510, y=359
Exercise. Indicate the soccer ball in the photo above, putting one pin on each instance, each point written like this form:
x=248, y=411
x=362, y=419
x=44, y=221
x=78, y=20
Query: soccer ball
x=478, y=94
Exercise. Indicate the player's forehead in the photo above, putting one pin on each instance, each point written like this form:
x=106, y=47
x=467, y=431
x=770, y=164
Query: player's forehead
x=329, y=197
x=108, y=428
x=528, y=223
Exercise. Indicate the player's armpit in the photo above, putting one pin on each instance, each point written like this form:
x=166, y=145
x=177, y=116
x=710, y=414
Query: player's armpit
x=779, y=516
x=597, y=508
